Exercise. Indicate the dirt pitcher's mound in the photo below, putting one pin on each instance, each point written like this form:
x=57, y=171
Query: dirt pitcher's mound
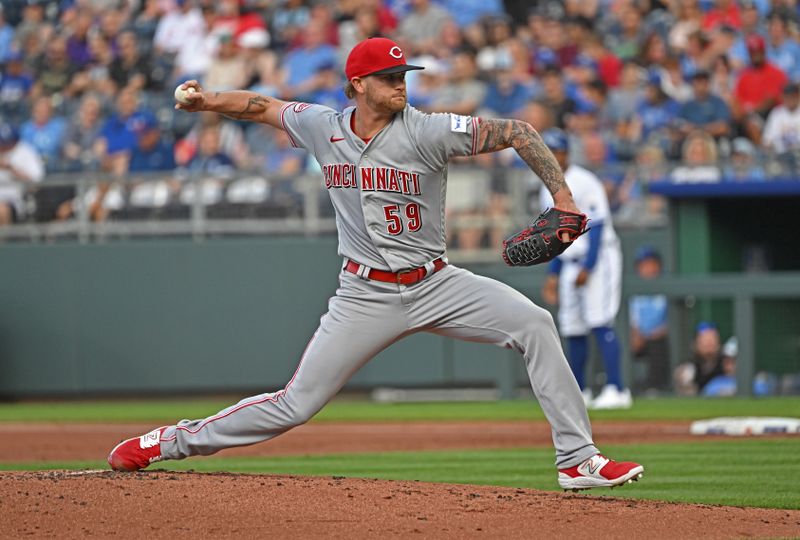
x=189, y=505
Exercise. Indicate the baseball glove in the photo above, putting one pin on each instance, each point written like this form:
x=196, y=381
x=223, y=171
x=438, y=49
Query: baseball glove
x=541, y=241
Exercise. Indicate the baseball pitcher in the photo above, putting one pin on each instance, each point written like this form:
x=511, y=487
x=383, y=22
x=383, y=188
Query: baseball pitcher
x=384, y=165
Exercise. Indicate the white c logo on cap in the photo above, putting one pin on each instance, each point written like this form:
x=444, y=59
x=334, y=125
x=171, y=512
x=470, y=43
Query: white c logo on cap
x=396, y=52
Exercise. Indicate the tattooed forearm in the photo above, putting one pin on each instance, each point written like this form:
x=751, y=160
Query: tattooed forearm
x=254, y=107
x=499, y=134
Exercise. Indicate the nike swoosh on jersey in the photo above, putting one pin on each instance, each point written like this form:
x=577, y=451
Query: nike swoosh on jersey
x=336, y=139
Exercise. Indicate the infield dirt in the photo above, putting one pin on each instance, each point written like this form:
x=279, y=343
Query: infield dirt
x=104, y=504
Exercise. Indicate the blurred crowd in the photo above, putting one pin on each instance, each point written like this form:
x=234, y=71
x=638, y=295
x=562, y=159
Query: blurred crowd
x=640, y=85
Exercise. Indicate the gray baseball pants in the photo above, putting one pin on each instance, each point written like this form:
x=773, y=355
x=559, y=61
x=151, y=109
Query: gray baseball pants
x=365, y=317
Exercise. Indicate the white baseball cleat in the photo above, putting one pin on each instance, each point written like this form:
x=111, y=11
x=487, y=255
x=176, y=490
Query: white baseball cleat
x=599, y=471
x=612, y=398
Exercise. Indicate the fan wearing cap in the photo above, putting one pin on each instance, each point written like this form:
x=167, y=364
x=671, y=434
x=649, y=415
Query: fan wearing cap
x=384, y=164
x=758, y=89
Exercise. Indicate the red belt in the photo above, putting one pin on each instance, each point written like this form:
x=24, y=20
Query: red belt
x=409, y=277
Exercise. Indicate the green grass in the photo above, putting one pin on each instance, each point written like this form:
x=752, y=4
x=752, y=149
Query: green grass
x=740, y=472
x=155, y=411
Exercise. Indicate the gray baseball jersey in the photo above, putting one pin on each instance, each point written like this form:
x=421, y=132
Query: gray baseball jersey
x=388, y=193
x=389, y=198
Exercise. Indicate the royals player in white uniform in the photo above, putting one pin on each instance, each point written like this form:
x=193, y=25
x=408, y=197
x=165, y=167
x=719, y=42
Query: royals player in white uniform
x=586, y=280
x=385, y=166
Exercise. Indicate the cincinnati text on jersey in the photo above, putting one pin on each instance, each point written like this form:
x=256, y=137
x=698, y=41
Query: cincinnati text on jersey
x=347, y=175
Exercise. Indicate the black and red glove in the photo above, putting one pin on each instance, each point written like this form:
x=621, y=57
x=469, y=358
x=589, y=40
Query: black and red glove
x=542, y=240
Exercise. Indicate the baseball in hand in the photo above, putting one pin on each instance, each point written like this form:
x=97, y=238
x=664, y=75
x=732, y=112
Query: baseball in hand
x=181, y=94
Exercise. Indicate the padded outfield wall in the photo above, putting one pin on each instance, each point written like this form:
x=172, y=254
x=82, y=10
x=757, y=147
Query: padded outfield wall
x=160, y=316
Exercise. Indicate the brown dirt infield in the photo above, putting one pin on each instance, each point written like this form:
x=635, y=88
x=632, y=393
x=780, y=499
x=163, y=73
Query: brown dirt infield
x=188, y=505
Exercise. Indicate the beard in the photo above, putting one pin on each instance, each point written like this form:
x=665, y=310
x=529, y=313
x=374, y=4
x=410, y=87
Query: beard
x=386, y=104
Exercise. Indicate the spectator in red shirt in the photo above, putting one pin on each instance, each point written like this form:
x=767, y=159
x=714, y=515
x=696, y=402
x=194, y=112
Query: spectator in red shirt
x=723, y=12
x=757, y=91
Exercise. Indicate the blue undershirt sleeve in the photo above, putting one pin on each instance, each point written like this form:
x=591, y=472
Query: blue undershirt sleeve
x=595, y=235
x=555, y=266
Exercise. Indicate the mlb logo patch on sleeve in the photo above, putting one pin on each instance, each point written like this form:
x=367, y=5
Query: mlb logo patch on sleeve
x=458, y=123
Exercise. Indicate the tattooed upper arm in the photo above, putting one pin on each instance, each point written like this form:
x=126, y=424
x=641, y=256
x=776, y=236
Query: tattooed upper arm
x=498, y=134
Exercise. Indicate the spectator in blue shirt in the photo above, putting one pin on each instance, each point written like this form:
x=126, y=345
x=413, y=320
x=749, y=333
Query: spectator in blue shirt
x=121, y=129
x=45, y=132
x=656, y=113
x=705, y=111
x=6, y=37
x=152, y=153
x=505, y=96
x=302, y=65
x=648, y=326
x=15, y=87
x=468, y=12
x=782, y=49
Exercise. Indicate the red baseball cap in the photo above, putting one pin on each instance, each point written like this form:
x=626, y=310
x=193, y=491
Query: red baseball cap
x=755, y=43
x=376, y=56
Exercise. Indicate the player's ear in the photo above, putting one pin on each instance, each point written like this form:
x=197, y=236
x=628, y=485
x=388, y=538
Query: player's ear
x=358, y=85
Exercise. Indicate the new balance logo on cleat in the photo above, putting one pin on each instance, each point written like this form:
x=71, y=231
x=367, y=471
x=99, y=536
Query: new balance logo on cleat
x=599, y=471
x=150, y=439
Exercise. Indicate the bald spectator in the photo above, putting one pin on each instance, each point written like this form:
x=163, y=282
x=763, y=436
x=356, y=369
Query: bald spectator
x=422, y=26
